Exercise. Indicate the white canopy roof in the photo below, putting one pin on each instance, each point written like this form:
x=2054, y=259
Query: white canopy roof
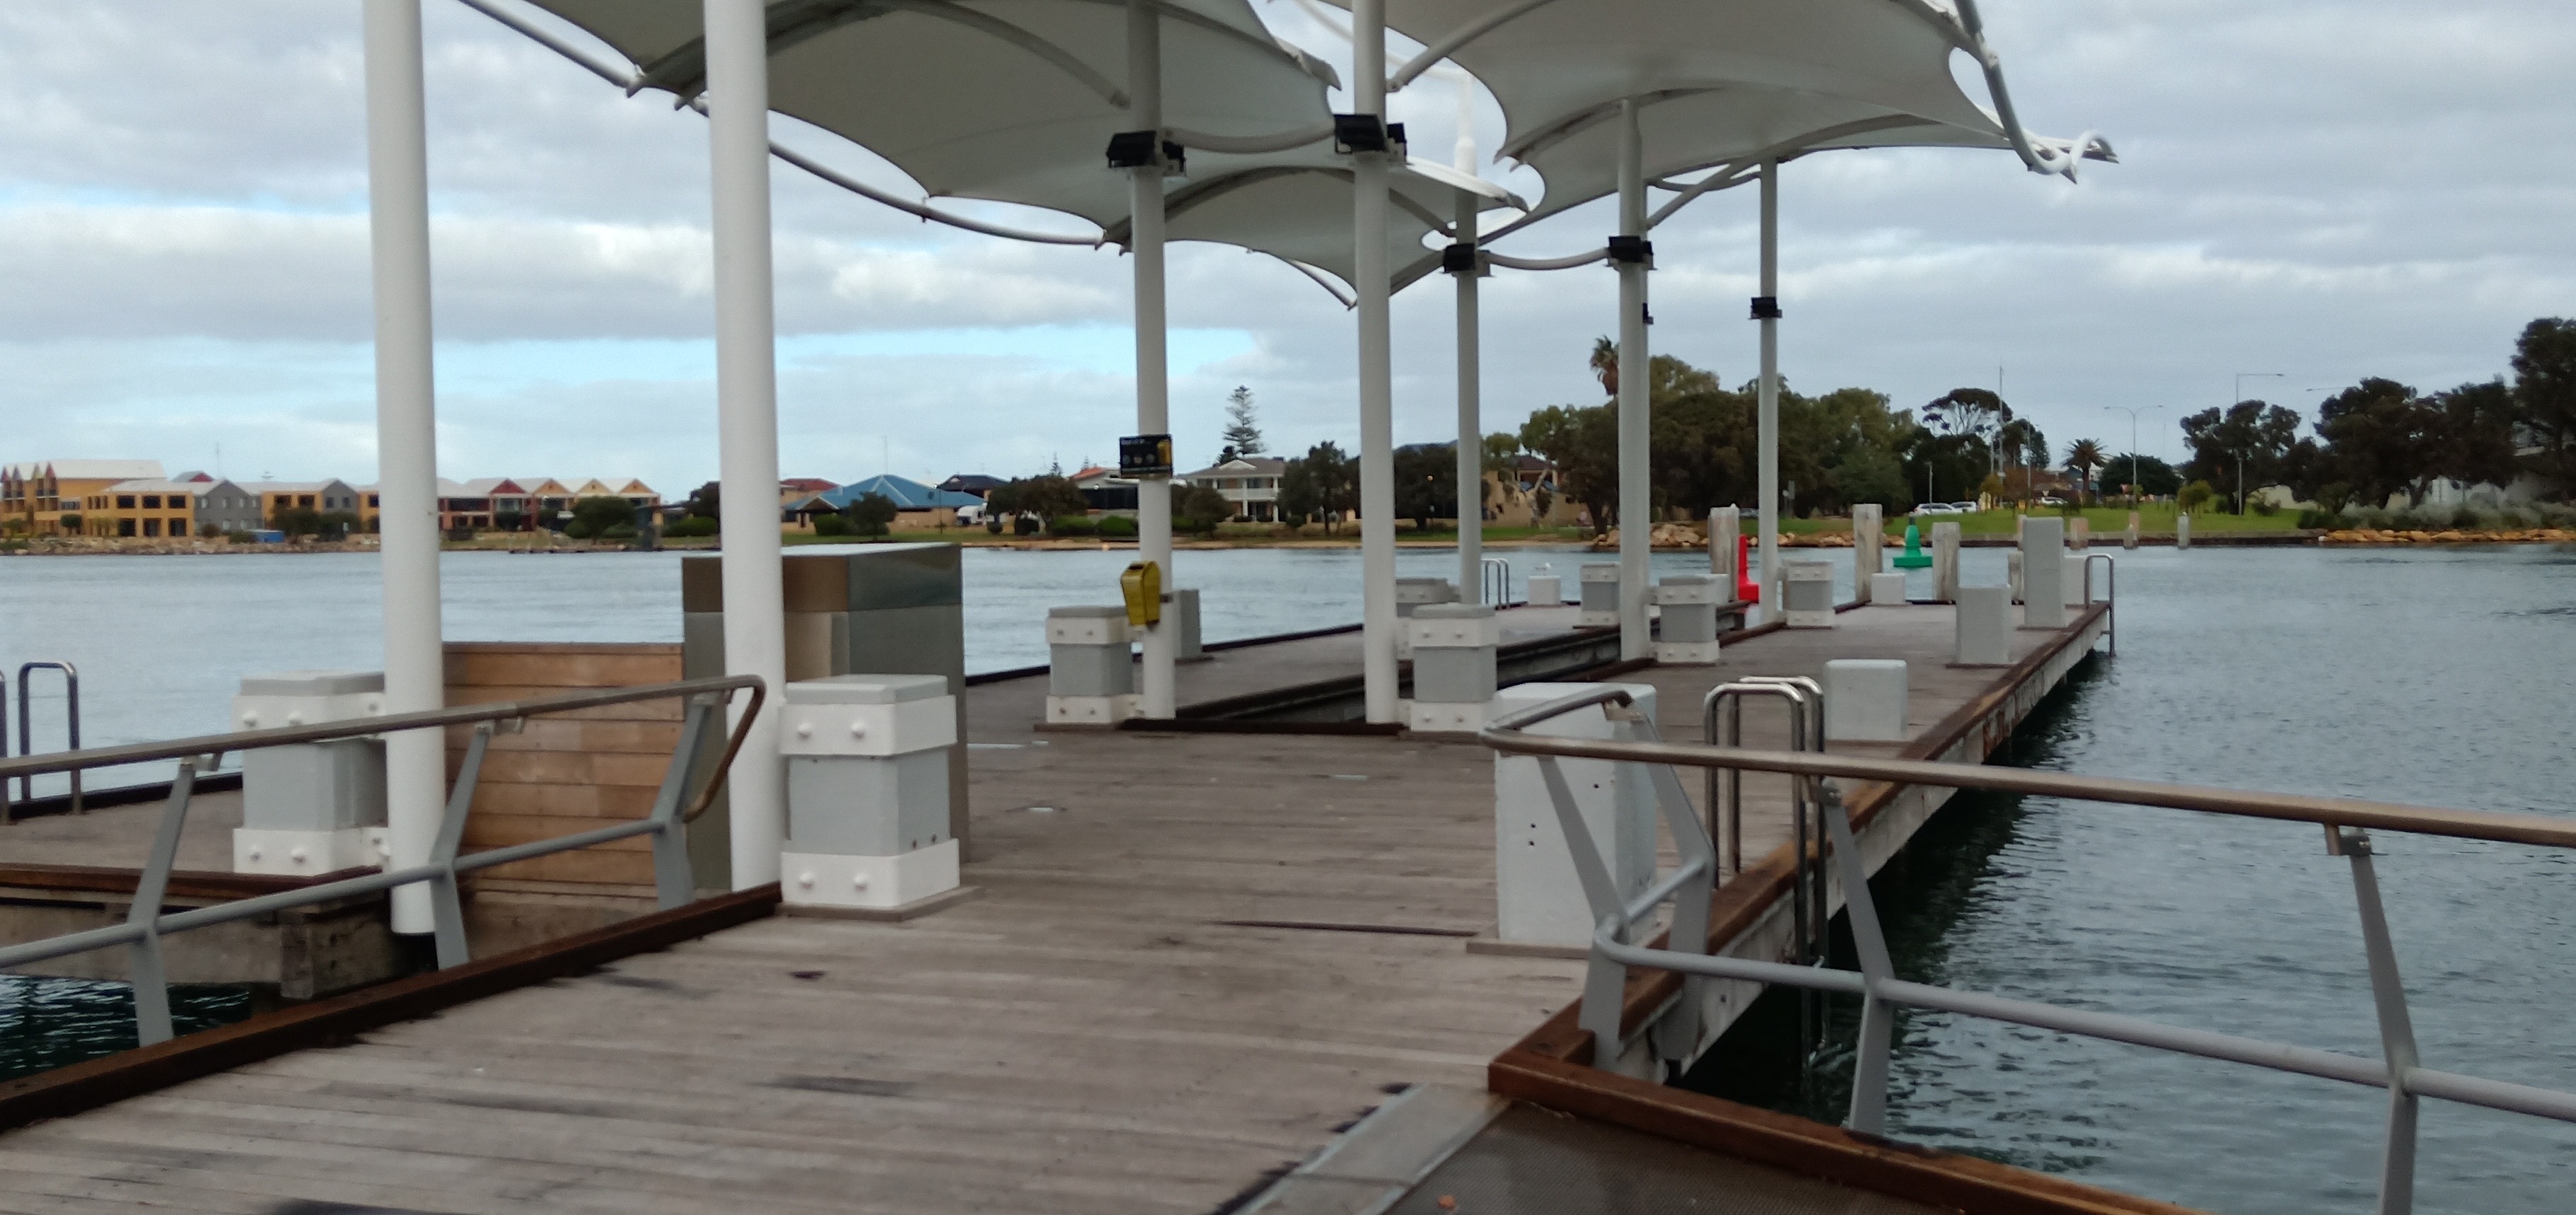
x=1718, y=81
x=1015, y=101
x=1297, y=207
x=1008, y=100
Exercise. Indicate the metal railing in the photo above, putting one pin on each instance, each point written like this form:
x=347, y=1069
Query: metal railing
x=2346, y=822
x=27, y=736
x=1494, y=581
x=147, y=922
x=2110, y=594
x=1722, y=725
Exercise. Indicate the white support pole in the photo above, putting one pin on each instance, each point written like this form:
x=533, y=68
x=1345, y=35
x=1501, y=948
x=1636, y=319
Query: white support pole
x=1471, y=424
x=755, y=615
x=1153, y=364
x=406, y=442
x=1767, y=422
x=1376, y=371
x=1636, y=480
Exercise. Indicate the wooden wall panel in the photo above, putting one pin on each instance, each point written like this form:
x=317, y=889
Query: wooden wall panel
x=569, y=772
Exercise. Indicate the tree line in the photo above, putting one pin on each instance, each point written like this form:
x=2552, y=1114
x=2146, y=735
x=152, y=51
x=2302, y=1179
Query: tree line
x=2381, y=438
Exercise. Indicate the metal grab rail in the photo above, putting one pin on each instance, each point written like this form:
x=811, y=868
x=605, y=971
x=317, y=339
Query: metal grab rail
x=2344, y=820
x=1494, y=581
x=2110, y=593
x=146, y=923
x=1810, y=910
x=27, y=738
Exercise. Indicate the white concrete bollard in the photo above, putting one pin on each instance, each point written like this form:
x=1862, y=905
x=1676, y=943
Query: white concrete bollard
x=1985, y=626
x=2182, y=531
x=1600, y=595
x=2129, y=539
x=310, y=808
x=1091, y=679
x=1538, y=900
x=2043, y=573
x=1887, y=588
x=1865, y=700
x=867, y=791
x=1725, y=524
x=2079, y=533
x=1807, y=598
x=1945, y=562
x=1688, y=635
x=1546, y=589
x=2012, y=574
x=2074, y=576
x=1182, y=609
x=1453, y=667
x=1869, y=534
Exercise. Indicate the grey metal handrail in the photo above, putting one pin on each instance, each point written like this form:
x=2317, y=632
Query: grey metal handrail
x=1810, y=909
x=147, y=922
x=26, y=729
x=1494, y=580
x=2110, y=593
x=2344, y=821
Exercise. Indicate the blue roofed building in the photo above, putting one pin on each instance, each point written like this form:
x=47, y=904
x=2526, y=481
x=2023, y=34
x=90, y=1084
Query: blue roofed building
x=916, y=505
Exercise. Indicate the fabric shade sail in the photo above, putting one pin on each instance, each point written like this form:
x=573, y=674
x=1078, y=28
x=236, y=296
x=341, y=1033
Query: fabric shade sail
x=1005, y=100
x=1297, y=207
x=1718, y=82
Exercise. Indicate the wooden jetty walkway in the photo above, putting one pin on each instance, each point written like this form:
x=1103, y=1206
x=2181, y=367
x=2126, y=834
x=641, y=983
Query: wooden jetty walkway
x=1195, y=960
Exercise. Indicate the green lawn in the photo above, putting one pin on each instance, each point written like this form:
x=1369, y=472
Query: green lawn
x=2154, y=519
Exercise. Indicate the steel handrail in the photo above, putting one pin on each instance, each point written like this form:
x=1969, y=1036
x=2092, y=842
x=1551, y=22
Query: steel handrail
x=147, y=923
x=2397, y=1071
x=27, y=723
x=505, y=710
x=2291, y=807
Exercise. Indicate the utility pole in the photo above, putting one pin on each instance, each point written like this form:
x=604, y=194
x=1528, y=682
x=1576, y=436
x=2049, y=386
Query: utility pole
x=2239, y=392
x=2133, y=413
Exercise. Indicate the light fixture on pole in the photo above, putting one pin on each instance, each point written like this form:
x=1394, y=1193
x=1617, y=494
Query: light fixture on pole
x=2133, y=412
x=2235, y=400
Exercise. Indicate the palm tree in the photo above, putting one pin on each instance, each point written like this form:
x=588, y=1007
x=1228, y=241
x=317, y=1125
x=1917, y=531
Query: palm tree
x=1605, y=365
x=2083, y=456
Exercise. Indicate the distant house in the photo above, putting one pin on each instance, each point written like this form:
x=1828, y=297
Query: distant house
x=972, y=483
x=321, y=497
x=916, y=505
x=1251, y=483
x=792, y=490
x=173, y=509
x=1104, y=490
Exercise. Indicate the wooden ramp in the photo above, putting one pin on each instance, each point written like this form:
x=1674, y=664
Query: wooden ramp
x=1195, y=957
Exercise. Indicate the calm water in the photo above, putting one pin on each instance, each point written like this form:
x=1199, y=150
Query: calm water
x=2437, y=677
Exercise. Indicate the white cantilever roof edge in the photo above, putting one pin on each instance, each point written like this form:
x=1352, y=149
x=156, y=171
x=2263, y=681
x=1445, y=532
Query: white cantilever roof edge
x=1802, y=68
x=1265, y=182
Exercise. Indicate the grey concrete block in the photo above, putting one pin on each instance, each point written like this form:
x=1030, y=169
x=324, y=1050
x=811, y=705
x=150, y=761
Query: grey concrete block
x=1090, y=670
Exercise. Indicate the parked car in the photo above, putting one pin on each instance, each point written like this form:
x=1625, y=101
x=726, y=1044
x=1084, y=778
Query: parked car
x=2051, y=500
x=1966, y=508
x=1938, y=508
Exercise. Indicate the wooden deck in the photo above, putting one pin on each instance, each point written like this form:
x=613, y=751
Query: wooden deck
x=1105, y=1029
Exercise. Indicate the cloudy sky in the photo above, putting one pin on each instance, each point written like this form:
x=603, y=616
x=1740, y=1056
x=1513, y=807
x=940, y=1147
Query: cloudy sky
x=2322, y=189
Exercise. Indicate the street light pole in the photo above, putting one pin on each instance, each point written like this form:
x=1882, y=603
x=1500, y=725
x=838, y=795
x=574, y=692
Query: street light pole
x=2133, y=412
x=2239, y=399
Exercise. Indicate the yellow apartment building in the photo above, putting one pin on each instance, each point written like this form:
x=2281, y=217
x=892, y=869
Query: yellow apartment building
x=34, y=497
